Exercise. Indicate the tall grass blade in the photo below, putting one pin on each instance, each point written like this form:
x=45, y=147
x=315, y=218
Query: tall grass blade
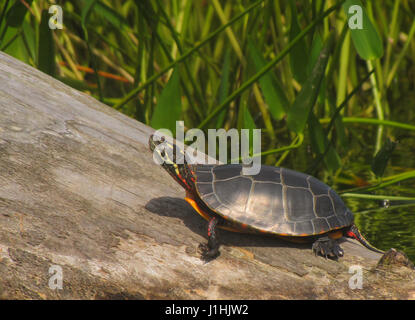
x=382, y=157
x=320, y=144
x=46, y=46
x=169, y=108
x=111, y=16
x=86, y=12
x=16, y=13
x=304, y=102
x=224, y=85
x=274, y=95
x=365, y=38
x=298, y=54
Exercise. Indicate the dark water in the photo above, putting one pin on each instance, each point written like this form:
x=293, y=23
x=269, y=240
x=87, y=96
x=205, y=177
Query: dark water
x=386, y=224
x=392, y=227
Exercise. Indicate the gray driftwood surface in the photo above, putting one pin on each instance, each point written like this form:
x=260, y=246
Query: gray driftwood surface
x=79, y=189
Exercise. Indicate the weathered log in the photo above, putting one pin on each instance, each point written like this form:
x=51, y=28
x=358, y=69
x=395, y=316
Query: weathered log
x=79, y=190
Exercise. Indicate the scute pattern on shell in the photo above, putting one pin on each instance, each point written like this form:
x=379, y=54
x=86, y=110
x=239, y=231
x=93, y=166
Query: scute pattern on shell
x=277, y=200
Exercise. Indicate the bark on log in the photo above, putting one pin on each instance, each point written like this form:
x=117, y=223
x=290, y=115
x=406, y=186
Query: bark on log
x=79, y=189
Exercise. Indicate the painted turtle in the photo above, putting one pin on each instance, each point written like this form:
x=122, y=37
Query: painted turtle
x=278, y=201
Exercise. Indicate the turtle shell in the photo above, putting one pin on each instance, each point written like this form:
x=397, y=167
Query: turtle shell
x=277, y=200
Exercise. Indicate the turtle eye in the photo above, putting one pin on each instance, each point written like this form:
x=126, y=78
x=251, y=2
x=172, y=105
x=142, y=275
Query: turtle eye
x=163, y=153
x=162, y=139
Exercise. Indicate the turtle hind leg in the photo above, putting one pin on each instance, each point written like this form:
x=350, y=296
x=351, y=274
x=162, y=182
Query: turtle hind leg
x=210, y=250
x=328, y=248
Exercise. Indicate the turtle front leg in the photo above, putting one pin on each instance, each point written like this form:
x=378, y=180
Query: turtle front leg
x=210, y=250
x=327, y=247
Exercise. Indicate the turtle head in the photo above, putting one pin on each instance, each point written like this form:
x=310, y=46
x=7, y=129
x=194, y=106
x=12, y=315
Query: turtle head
x=170, y=157
x=165, y=152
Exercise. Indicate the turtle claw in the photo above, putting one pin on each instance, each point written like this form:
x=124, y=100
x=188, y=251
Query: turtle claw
x=210, y=250
x=207, y=253
x=328, y=248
